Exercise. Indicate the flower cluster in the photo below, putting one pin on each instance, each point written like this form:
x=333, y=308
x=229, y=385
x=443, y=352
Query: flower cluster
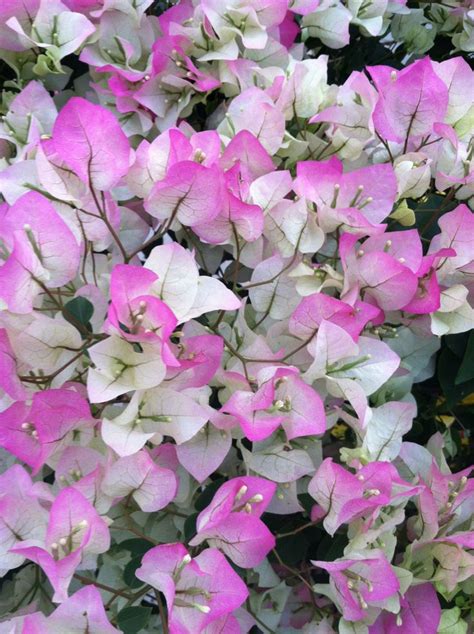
x=222, y=277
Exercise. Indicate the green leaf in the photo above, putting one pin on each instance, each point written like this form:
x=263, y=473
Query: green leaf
x=331, y=548
x=129, y=572
x=306, y=501
x=466, y=371
x=452, y=623
x=136, y=546
x=132, y=620
x=450, y=446
x=240, y=571
x=427, y=213
x=190, y=526
x=293, y=549
x=448, y=364
x=206, y=496
x=404, y=215
x=79, y=310
x=457, y=343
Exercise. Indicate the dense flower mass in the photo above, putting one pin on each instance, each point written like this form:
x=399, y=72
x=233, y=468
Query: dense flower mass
x=236, y=296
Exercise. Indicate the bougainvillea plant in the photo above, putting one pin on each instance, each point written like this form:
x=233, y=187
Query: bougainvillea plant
x=236, y=316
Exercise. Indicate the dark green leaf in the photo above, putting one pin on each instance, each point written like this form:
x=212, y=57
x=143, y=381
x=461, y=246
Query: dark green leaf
x=306, y=501
x=448, y=364
x=429, y=212
x=330, y=548
x=129, y=572
x=190, y=526
x=292, y=549
x=466, y=371
x=240, y=571
x=206, y=496
x=132, y=620
x=78, y=310
x=457, y=343
x=137, y=546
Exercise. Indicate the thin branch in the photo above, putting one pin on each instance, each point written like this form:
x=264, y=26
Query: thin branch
x=87, y=581
x=296, y=531
x=161, y=608
x=105, y=220
x=292, y=570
